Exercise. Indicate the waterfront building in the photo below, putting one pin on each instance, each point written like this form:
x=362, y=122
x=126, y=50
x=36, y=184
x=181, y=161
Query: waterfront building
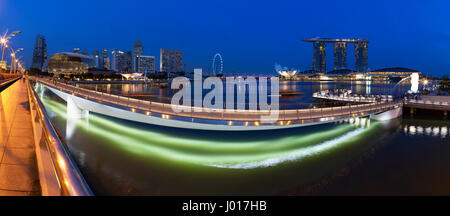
x=361, y=56
x=118, y=60
x=171, y=61
x=340, y=56
x=70, y=63
x=138, y=50
x=146, y=64
x=39, y=52
x=319, y=59
x=340, y=53
x=394, y=72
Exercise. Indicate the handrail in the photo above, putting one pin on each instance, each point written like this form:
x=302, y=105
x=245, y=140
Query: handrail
x=6, y=82
x=69, y=177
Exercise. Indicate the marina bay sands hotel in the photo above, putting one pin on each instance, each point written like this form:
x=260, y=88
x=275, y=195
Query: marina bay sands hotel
x=340, y=53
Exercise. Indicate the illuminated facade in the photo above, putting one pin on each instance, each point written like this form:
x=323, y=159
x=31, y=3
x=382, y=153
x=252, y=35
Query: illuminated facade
x=70, y=63
x=394, y=72
x=96, y=56
x=340, y=56
x=138, y=50
x=146, y=64
x=320, y=58
x=39, y=52
x=118, y=60
x=171, y=61
x=361, y=57
x=340, y=53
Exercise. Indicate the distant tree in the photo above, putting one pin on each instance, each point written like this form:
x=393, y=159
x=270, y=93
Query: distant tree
x=99, y=76
x=34, y=71
x=87, y=75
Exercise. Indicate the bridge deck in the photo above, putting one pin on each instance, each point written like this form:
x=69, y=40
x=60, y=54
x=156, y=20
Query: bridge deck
x=235, y=119
x=18, y=167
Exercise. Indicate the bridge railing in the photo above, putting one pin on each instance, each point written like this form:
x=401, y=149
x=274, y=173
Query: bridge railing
x=428, y=102
x=166, y=110
x=58, y=171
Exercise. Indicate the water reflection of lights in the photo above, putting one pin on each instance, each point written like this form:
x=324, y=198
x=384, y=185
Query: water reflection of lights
x=429, y=131
x=216, y=153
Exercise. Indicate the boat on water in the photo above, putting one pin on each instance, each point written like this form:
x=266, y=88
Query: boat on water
x=290, y=93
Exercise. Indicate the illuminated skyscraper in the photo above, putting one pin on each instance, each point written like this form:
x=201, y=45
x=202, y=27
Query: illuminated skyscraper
x=319, y=56
x=138, y=50
x=105, y=60
x=76, y=50
x=361, y=59
x=118, y=60
x=39, y=52
x=96, y=57
x=171, y=61
x=128, y=62
x=340, y=55
x=146, y=64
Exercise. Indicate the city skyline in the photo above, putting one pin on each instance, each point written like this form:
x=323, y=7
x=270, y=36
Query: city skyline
x=251, y=41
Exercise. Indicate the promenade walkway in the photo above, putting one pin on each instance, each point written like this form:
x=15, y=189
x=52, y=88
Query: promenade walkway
x=18, y=167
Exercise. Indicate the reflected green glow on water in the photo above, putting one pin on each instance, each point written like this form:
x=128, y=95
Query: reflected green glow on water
x=216, y=153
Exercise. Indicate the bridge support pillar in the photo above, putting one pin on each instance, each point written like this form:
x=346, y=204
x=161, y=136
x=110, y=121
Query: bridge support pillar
x=73, y=111
x=388, y=115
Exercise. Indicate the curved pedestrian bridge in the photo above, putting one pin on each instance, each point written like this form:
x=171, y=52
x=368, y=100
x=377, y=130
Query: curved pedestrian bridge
x=81, y=101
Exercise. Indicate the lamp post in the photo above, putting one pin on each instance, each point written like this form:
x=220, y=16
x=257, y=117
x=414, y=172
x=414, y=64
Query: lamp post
x=13, y=58
x=4, y=40
x=16, y=63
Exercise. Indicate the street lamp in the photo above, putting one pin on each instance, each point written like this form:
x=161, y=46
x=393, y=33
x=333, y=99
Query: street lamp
x=4, y=40
x=13, y=58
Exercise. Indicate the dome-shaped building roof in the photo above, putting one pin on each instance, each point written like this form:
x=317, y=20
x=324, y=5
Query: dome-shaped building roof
x=66, y=62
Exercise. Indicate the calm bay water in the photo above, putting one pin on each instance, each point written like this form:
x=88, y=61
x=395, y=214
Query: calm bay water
x=119, y=157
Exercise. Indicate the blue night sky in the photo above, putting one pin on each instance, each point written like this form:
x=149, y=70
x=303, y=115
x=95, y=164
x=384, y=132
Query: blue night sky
x=251, y=35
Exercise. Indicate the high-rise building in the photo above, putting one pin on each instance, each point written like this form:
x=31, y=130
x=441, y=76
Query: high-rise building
x=340, y=55
x=361, y=56
x=128, y=68
x=118, y=60
x=84, y=52
x=76, y=50
x=39, y=52
x=138, y=50
x=171, y=61
x=105, y=62
x=146, y=64
x=96, y=56
x=319, y=56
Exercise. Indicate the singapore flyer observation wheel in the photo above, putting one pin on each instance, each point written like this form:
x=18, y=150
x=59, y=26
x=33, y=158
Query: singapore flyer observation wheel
x=217, y=67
